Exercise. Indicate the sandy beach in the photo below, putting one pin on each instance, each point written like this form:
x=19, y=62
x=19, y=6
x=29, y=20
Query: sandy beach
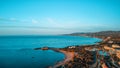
x=68, y=57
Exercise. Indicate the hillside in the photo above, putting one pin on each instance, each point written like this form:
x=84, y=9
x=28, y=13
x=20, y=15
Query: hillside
x=115, y=35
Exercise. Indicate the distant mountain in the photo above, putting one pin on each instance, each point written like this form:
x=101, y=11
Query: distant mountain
x=102, y=34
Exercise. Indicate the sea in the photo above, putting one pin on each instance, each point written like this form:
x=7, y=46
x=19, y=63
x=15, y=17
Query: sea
x=18, y=51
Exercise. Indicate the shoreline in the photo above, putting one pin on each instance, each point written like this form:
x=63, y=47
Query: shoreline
x=84, y=56
x=68, y=55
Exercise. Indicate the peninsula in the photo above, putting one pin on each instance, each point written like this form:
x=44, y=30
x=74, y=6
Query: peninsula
x=104, y=54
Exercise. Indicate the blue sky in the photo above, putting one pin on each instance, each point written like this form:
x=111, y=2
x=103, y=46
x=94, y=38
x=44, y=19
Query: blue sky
x=23, y=17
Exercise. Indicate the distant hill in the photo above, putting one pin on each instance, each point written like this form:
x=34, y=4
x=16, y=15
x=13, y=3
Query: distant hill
x=102, y=34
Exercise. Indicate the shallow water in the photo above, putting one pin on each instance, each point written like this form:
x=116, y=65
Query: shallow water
x=17, y=51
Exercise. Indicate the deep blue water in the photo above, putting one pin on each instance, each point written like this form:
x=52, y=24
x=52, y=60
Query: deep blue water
x=17, y=51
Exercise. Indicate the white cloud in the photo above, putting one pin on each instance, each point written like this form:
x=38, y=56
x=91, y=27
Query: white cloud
x=34, y=21
x=12, y=19
x=50, y=20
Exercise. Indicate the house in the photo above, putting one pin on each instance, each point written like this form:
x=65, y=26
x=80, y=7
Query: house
x=115, y=46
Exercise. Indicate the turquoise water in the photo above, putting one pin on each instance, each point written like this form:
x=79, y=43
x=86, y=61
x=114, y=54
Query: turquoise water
x=17, y=51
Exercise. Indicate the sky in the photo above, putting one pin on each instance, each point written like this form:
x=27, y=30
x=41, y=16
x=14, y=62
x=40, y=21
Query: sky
x=44, y=17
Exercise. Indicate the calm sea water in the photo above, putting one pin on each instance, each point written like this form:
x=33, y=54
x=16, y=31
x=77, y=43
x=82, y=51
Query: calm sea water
x=17, y=51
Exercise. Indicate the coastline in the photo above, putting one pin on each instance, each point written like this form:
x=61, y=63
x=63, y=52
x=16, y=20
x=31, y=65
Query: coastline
x=68, y=55
x=102, y=54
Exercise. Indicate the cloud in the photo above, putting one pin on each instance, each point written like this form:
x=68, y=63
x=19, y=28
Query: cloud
x=50, y=20
x=50, y=23
x=16, y=20
x=4, y=19
x=34, y=21
x=10, y=20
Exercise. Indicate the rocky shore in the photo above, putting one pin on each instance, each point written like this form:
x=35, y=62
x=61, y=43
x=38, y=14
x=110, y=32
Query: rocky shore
x=105, y=54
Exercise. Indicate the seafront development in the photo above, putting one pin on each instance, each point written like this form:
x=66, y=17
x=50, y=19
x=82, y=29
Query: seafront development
x=59, y=33
x=104, y=54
